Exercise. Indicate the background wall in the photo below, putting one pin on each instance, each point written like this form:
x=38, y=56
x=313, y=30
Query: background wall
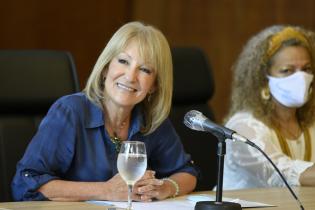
x=220, y=27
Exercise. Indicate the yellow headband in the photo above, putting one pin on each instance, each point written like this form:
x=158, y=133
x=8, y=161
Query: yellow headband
x=285, y=34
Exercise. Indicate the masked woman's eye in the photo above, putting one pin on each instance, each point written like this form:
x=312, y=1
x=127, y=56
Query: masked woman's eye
x=286, y=71
x=308, y=69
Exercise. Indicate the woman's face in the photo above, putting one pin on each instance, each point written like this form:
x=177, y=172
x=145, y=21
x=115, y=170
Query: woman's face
x=290, y=60
x=291, y=77
x=128, y=78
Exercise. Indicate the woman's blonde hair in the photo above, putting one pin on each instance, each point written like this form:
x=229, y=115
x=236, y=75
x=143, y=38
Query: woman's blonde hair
x=252, y=66
x=154, y=49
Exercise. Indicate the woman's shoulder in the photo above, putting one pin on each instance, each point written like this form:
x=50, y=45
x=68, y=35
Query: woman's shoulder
x=244, y=117
x=165, y=127
x=77, y=107
x=77, y=102
x=72, y=98
x=246, y=124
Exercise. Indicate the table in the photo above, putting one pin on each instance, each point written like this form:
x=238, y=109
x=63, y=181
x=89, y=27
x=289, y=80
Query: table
x=49, y=205
x=280, y=197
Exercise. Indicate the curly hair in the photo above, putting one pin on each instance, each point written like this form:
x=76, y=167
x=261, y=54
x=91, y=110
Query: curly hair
x=153, y=47
x=250, y=72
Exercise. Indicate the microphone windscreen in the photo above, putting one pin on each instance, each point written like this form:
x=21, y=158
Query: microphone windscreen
x=194, y=120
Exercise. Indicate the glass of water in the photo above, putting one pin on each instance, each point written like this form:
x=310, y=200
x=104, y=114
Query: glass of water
x=131, y=164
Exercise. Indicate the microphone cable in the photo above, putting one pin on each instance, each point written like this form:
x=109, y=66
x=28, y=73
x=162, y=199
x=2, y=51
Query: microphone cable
x=278, y=171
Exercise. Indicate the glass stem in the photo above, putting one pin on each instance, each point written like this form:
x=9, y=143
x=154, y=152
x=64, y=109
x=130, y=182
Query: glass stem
x=129, y=196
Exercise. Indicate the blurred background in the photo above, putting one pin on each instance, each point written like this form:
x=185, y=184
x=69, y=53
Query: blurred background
x=219, y=27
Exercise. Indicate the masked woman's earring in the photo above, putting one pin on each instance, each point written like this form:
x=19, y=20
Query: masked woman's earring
x=265, y=93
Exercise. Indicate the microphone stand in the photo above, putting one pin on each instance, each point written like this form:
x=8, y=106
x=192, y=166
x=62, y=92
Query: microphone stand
x=196, y=121
x=218, y=204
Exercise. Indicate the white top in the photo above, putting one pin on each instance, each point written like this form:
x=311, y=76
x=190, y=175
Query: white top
x=246, y=167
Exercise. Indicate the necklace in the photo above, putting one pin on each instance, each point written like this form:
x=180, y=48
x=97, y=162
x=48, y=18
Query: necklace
x=116, y=141
x=285, y=147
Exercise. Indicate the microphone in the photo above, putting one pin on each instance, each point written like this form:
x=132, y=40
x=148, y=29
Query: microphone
x=195, y=120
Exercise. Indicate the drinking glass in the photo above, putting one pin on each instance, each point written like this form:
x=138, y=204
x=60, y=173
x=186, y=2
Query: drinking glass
x=131, y=164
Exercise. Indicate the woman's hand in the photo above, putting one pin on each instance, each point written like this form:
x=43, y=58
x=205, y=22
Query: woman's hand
x=307, y=178
x=116, y=189
x=149, y=188
x=121, y=190
x=152, y=188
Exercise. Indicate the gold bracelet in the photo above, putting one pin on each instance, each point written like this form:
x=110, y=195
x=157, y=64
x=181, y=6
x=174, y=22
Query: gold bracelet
x=174, y=184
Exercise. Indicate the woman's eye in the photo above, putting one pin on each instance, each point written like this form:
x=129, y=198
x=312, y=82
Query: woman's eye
x=146, y=70
x=285, y=71
x=122, y=61
x=308, y=69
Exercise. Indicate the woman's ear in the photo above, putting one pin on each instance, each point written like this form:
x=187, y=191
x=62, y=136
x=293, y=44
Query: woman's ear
x=152, y=89
x=104, y=73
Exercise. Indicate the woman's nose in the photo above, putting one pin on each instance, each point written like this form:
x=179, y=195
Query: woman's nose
x=131, y=74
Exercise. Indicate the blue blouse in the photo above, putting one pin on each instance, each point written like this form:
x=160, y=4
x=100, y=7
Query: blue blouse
x=72, y=144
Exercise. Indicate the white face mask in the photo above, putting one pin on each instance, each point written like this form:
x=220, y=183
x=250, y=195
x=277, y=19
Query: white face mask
x=293, y=90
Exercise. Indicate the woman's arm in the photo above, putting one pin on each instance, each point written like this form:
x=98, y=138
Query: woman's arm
x=114, y=189
x=246, y=167
x=307, y=178
x=60, y=190
x=186, y=184
x=48, y=155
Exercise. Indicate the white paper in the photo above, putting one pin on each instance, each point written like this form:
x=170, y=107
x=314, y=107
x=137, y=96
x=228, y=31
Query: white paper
x=155, y=205
x=180, y=203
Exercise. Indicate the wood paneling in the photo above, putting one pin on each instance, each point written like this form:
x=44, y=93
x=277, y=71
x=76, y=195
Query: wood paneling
x=81, y=27
x=220, y=27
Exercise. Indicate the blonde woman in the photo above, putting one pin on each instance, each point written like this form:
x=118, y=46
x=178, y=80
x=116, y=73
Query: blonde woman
x=127, y=97
x=273, y=105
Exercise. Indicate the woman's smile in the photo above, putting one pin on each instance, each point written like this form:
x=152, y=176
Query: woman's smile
x=125, y=87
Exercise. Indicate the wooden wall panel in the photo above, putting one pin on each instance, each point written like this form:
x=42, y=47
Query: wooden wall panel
x=81, y=27
x=221, y=28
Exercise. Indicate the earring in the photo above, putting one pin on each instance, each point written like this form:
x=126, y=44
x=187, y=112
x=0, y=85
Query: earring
x=265, y=93
x=103, y=82
x=149, y=97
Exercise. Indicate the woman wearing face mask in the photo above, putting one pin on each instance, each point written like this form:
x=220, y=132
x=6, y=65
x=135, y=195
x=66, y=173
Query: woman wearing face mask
x=272, y=104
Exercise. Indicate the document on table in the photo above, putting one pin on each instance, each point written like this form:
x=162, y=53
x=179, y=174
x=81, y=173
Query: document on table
x=155, y=205
x=180, y=203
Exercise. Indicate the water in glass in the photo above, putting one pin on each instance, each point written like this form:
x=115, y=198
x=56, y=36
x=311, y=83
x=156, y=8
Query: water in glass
x=131, y=164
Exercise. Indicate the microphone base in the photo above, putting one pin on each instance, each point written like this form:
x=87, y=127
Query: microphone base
x=213, y=205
